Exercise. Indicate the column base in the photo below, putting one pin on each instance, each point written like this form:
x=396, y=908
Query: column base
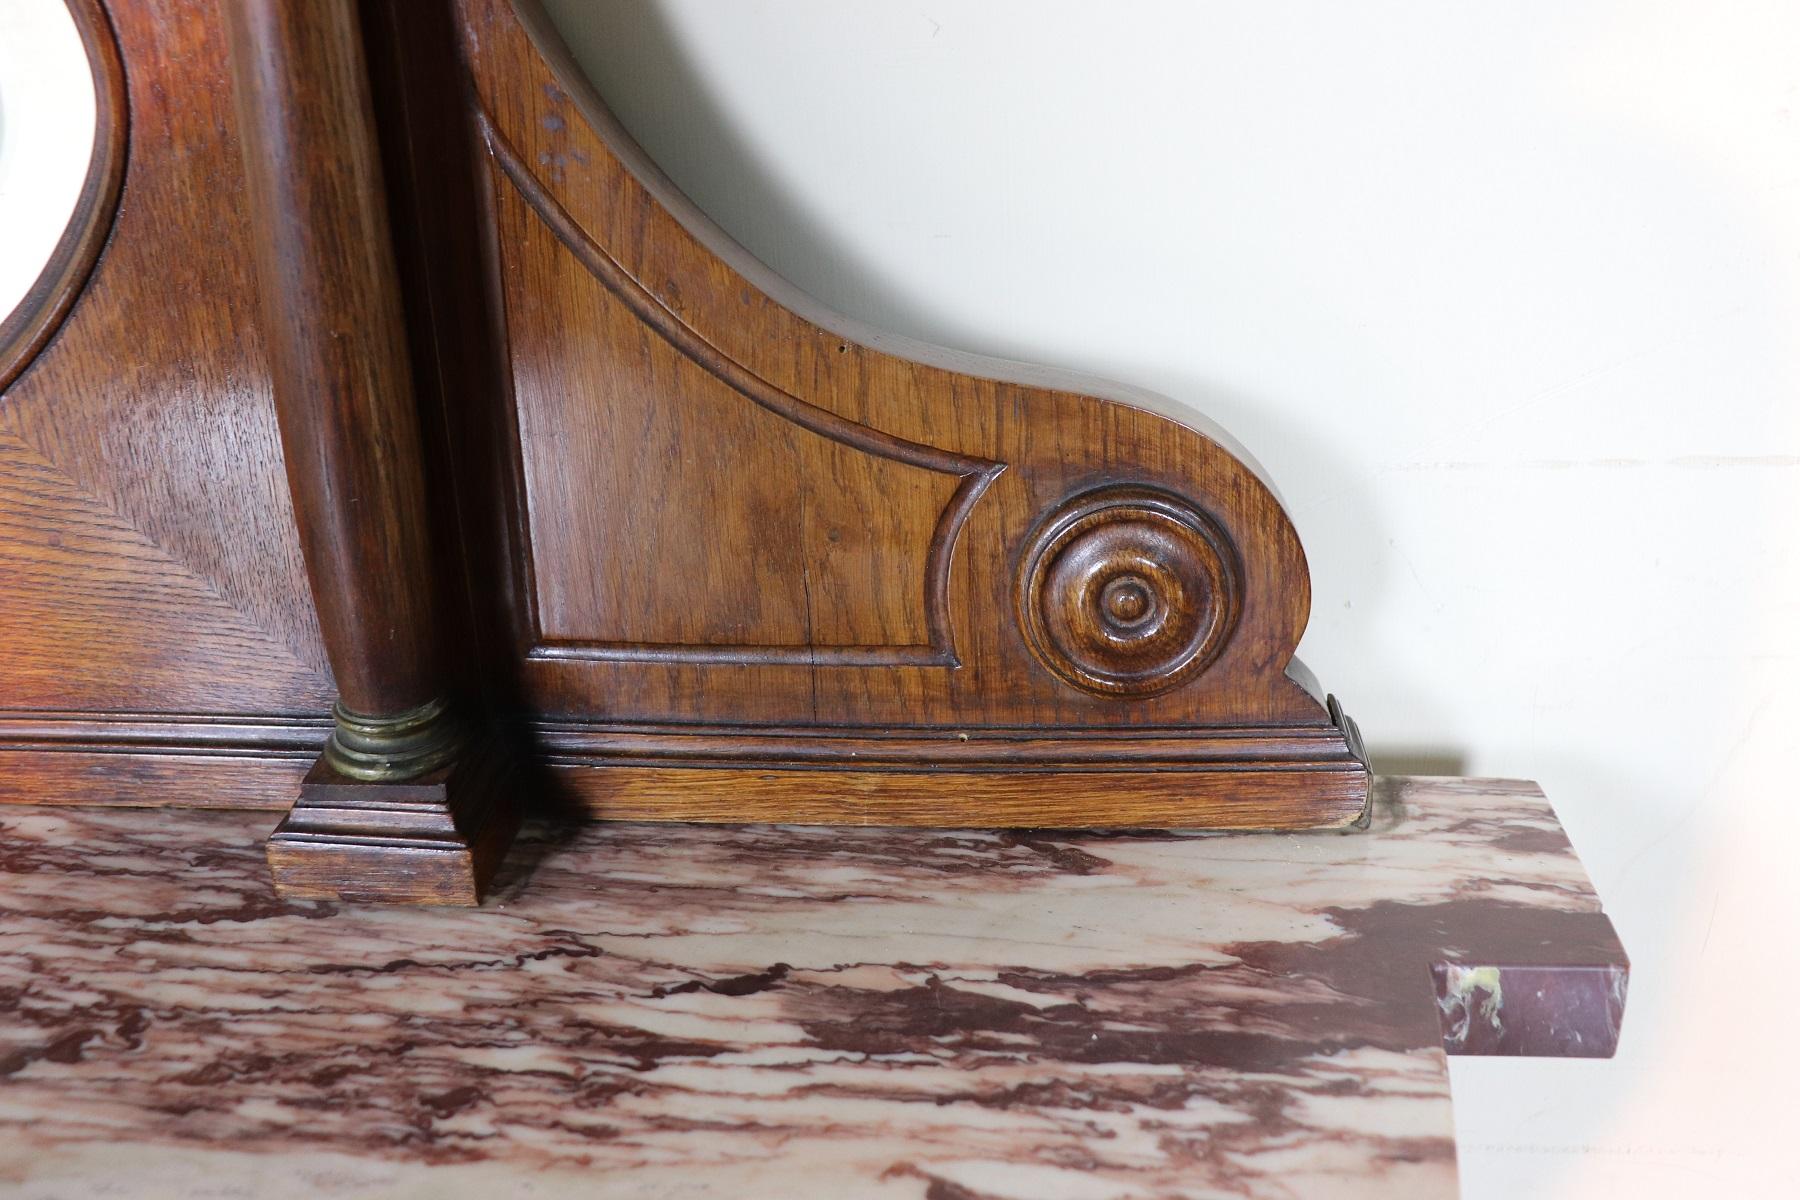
x=432, y=840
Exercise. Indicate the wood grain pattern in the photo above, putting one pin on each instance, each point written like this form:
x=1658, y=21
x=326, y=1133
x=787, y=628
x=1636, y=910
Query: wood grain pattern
x=808, y=598
x=558, y=451
x=1262, y=777
x=435, y=839
x=148, y=560
x=694, y=506
x=398, y=807
x=548, y=128
x=1306, y=796
x=187, y=761
x=110, y=775
x=342, y=376
x=102, y=614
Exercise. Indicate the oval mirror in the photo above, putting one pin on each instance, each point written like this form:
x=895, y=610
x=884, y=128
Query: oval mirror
x=61, y=156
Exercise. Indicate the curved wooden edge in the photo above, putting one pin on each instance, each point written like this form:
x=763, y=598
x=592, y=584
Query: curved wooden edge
x=29, y=327
x=574, y=81
x=532, y=92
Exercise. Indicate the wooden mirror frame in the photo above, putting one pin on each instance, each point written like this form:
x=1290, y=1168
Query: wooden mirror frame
x=26, y=329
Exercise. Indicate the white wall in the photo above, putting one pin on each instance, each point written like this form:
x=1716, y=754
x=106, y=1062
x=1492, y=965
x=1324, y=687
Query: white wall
x=1506, y=297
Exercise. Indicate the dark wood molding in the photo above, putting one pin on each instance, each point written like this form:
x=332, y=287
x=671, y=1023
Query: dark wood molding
x=174, y=731
x=921, y=749
x=1253, y=777
x=1116, y=560
x=34, y=320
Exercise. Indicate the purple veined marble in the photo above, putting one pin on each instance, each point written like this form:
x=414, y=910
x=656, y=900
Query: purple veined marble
x=696, y=1011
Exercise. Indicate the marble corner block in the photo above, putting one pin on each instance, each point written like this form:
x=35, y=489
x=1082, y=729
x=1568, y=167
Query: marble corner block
x=691, y=1011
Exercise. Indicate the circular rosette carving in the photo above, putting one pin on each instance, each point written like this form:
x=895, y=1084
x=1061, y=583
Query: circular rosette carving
x=1128, y=592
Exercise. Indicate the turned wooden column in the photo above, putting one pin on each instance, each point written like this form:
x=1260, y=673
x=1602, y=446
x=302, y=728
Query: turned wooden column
x=397, y=807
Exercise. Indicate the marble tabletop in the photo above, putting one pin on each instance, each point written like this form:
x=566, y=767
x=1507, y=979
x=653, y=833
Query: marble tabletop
x=760, y=1011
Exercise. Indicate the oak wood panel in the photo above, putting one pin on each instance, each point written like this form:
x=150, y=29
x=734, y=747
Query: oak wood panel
x=553, y=149
x=841, y=555
x=148, y=561
x=96, y=615
x=729, y=556
x=853, y=533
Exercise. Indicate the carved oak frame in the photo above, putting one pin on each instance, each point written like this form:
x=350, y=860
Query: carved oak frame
x=593, y=504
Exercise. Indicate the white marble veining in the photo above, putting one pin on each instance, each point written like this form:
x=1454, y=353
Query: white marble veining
x=690, y=1011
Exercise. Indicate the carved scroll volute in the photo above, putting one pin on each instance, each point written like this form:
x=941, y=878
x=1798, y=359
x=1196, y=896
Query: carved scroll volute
x=1166, y=585
x=1077, y=560
x=1129, y=592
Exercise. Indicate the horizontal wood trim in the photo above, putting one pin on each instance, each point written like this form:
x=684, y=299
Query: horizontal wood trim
x=128, y=778
x=745, y=655
x=159, y=761
x=1261, y=777
x=1267, y=799
x=173, y=731
x=970, y=749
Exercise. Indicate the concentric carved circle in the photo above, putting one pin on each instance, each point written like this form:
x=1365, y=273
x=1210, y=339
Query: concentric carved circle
x=1128, y=592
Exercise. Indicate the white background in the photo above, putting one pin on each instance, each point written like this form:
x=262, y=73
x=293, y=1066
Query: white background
x=1506, y=297
x=1507, y=300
